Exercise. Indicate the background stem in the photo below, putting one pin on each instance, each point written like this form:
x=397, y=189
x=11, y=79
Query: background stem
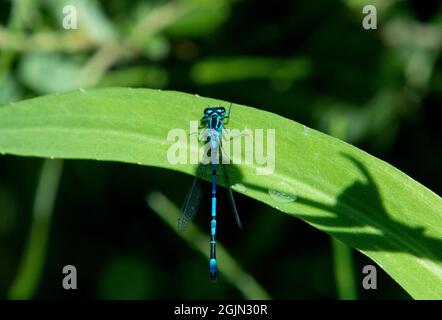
x=344, y=271
x=34, y=257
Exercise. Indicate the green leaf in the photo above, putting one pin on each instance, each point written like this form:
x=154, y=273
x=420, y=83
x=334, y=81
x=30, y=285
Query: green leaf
x=363, y=201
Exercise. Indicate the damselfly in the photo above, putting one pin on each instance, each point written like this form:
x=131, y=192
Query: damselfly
x=213, y=122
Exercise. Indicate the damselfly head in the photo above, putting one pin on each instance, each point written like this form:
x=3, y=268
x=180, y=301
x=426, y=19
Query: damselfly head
x=220, y=111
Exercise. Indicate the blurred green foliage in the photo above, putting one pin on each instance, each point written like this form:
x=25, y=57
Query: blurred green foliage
x=309, y=61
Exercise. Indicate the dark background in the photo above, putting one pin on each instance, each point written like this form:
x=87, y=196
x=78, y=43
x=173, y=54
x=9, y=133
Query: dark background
x=310, y=61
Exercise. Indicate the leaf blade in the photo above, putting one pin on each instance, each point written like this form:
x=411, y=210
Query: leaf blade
x=330, y=184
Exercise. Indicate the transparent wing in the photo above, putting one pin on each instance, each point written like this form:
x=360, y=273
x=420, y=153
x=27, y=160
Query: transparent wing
x=230, y=194
x=192, y=200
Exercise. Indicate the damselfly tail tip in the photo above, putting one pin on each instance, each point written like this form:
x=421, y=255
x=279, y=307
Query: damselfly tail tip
x=213, y=276
x=238, y=221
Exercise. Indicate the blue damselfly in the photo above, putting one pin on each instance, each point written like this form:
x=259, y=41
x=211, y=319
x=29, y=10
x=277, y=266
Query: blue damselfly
x=213, y=122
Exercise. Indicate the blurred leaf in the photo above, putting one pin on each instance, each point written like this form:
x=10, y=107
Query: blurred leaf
x=49, y=73
x=9, y=90
x=407, y=34
x=203, y=18
x=91, y=18
x=230, y=69
x=156, y=48
x=24, y=14
x=356, y=123
x=362, y=201
x=382, y=6
x=145, y=76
